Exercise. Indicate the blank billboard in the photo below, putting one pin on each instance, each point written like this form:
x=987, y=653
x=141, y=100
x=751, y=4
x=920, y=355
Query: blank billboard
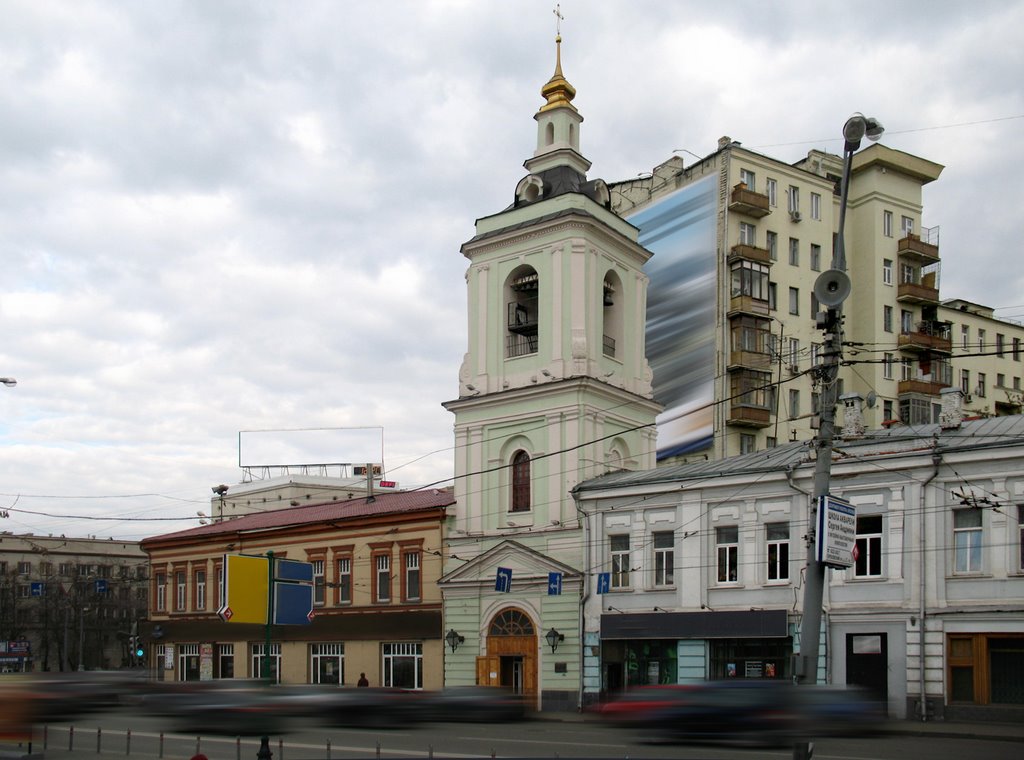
x=310, y=446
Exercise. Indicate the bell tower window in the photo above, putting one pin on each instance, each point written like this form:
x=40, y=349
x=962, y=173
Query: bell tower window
x=521, y=313
x=520, y=482
x=612, y=314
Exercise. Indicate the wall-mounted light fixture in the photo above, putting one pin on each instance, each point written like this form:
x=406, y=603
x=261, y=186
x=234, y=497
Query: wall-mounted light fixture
x=454, y=639
x=554, y=638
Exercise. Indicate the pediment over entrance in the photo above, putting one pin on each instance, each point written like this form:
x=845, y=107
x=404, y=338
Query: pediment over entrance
x=528, y=566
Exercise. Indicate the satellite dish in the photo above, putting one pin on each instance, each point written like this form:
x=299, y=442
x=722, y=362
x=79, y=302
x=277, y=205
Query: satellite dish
x=832, y=287
x=871, y=399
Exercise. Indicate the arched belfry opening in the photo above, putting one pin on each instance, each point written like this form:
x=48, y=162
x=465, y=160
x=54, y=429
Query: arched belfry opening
x=612, y=315
x=522, y=301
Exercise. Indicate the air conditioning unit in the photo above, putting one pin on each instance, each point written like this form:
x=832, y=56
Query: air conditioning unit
x=794, y=369
x=795, y=216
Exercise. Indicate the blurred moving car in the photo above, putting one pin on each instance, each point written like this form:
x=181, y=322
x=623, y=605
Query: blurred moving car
x=642, y=704
x=469, y=704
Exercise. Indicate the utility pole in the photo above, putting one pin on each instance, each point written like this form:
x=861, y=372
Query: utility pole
x=831, y=288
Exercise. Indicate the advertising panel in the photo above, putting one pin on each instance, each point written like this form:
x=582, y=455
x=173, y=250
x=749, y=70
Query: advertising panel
x=680, y=230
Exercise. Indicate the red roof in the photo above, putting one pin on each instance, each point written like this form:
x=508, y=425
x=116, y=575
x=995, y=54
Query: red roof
x=399, y=502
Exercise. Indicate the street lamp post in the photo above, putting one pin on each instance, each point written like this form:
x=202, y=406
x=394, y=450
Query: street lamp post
x=831, y=288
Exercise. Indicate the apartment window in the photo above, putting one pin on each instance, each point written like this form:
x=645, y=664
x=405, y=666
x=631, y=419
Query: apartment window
x=520, y=482
x=773, y=296
x=771, y=442
x=46, y=569
x=793, y=352
x=815, y=354
x=219, y=571
x=794, y=300
x=24, y=568
x=794, y=252
x=815, y=206
x=908, y=273
x=1000, y=344
x=907, y=225
x=1016, y=349
x=344, y=580
x=200, y=583
x=887, y=318
x=382, y=578
x=887, y=361
x=771, y=189
x=327, y=663
x=815, y=257
x=727, y=544
x=24, y=591
x=967, y=540
x=906, y=370
x=965, y=337
x=664, y=558
x=748, y=234
x=981, y=385
x=412, y=576
x=748, y=443
x=777, y=535
x=1000, y=380
x=402, y=665
x=965, y=381
x=747, y=178
x=259, y=665
x=319, y=584
x=161, y=591
x=794, y=199
x=887, y=223
x=794, y=403
x=906, y=321
x=887, y=410
x=1016, y=383
x=748, y=278
x=981, y=339
x=773, y=245
x=63, y=568
x=619, y=550
x=180, y=590
x=869, y=547
x=887, y=271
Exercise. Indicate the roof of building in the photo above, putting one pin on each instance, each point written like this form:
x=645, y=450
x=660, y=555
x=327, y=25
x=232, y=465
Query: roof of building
x=401, y=502
x=991, y=432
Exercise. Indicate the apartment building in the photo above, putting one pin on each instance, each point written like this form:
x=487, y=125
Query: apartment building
x=704, y=564
x=740, y=239
x=69, y=603
x=376, y=604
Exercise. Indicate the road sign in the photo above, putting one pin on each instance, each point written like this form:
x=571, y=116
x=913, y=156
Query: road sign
x=293, y=603
x=38, y=588
x=604, y=583
x=554, y=584
x=246, y=589
x=503, y=581
x=836, y=532
x=101, y=586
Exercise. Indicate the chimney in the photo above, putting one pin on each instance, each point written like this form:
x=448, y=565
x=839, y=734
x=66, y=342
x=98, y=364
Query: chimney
x=724, y=142
x=952, y=413
x=853, y=417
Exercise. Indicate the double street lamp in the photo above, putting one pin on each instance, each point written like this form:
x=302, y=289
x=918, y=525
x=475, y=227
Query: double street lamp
x=10, y=382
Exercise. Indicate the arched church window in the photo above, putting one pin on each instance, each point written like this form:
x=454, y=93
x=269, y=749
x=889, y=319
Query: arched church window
x=549, y=134
x=520, y=482
x=511, y=623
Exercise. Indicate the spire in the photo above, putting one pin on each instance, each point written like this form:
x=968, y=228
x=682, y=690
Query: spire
x=558, y=92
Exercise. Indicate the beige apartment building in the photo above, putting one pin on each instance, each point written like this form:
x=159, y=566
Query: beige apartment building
x=770, y=229
x=69, y=603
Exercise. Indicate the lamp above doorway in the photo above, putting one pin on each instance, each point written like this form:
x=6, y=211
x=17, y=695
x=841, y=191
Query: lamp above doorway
x=554, y=638
x=454, y=639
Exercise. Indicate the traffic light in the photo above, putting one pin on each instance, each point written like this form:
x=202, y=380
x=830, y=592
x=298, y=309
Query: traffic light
x=135, y=646
x=140, y=651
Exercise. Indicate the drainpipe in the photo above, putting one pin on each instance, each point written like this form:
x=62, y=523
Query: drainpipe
x=922, y=582
x=583, y=603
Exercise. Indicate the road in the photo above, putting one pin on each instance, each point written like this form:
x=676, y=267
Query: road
x=533, y=739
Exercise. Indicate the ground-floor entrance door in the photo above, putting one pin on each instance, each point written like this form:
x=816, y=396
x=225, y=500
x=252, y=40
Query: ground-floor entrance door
x=511, y=659
x=867, y=664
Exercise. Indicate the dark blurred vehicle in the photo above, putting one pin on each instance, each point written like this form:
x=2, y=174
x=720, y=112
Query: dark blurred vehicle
x=69, y=695
x=830, y=710
x=232, y=709
x=469, y=704
x=361, y=707
x=742, y=712
x=643, y=704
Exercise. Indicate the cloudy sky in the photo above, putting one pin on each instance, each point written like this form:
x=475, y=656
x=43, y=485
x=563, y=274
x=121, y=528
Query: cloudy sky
x=219, y=215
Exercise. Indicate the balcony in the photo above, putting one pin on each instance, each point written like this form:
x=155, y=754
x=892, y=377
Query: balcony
x=912, y=247
x=743, y=359
x=746, y=201
x=912, y=292
x=748, y=305
x=921, y=387
x=928, y=336
x=750, y=416
x=749, y=253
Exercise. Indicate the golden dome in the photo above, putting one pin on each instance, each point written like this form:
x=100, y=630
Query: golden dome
x=558, y=92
